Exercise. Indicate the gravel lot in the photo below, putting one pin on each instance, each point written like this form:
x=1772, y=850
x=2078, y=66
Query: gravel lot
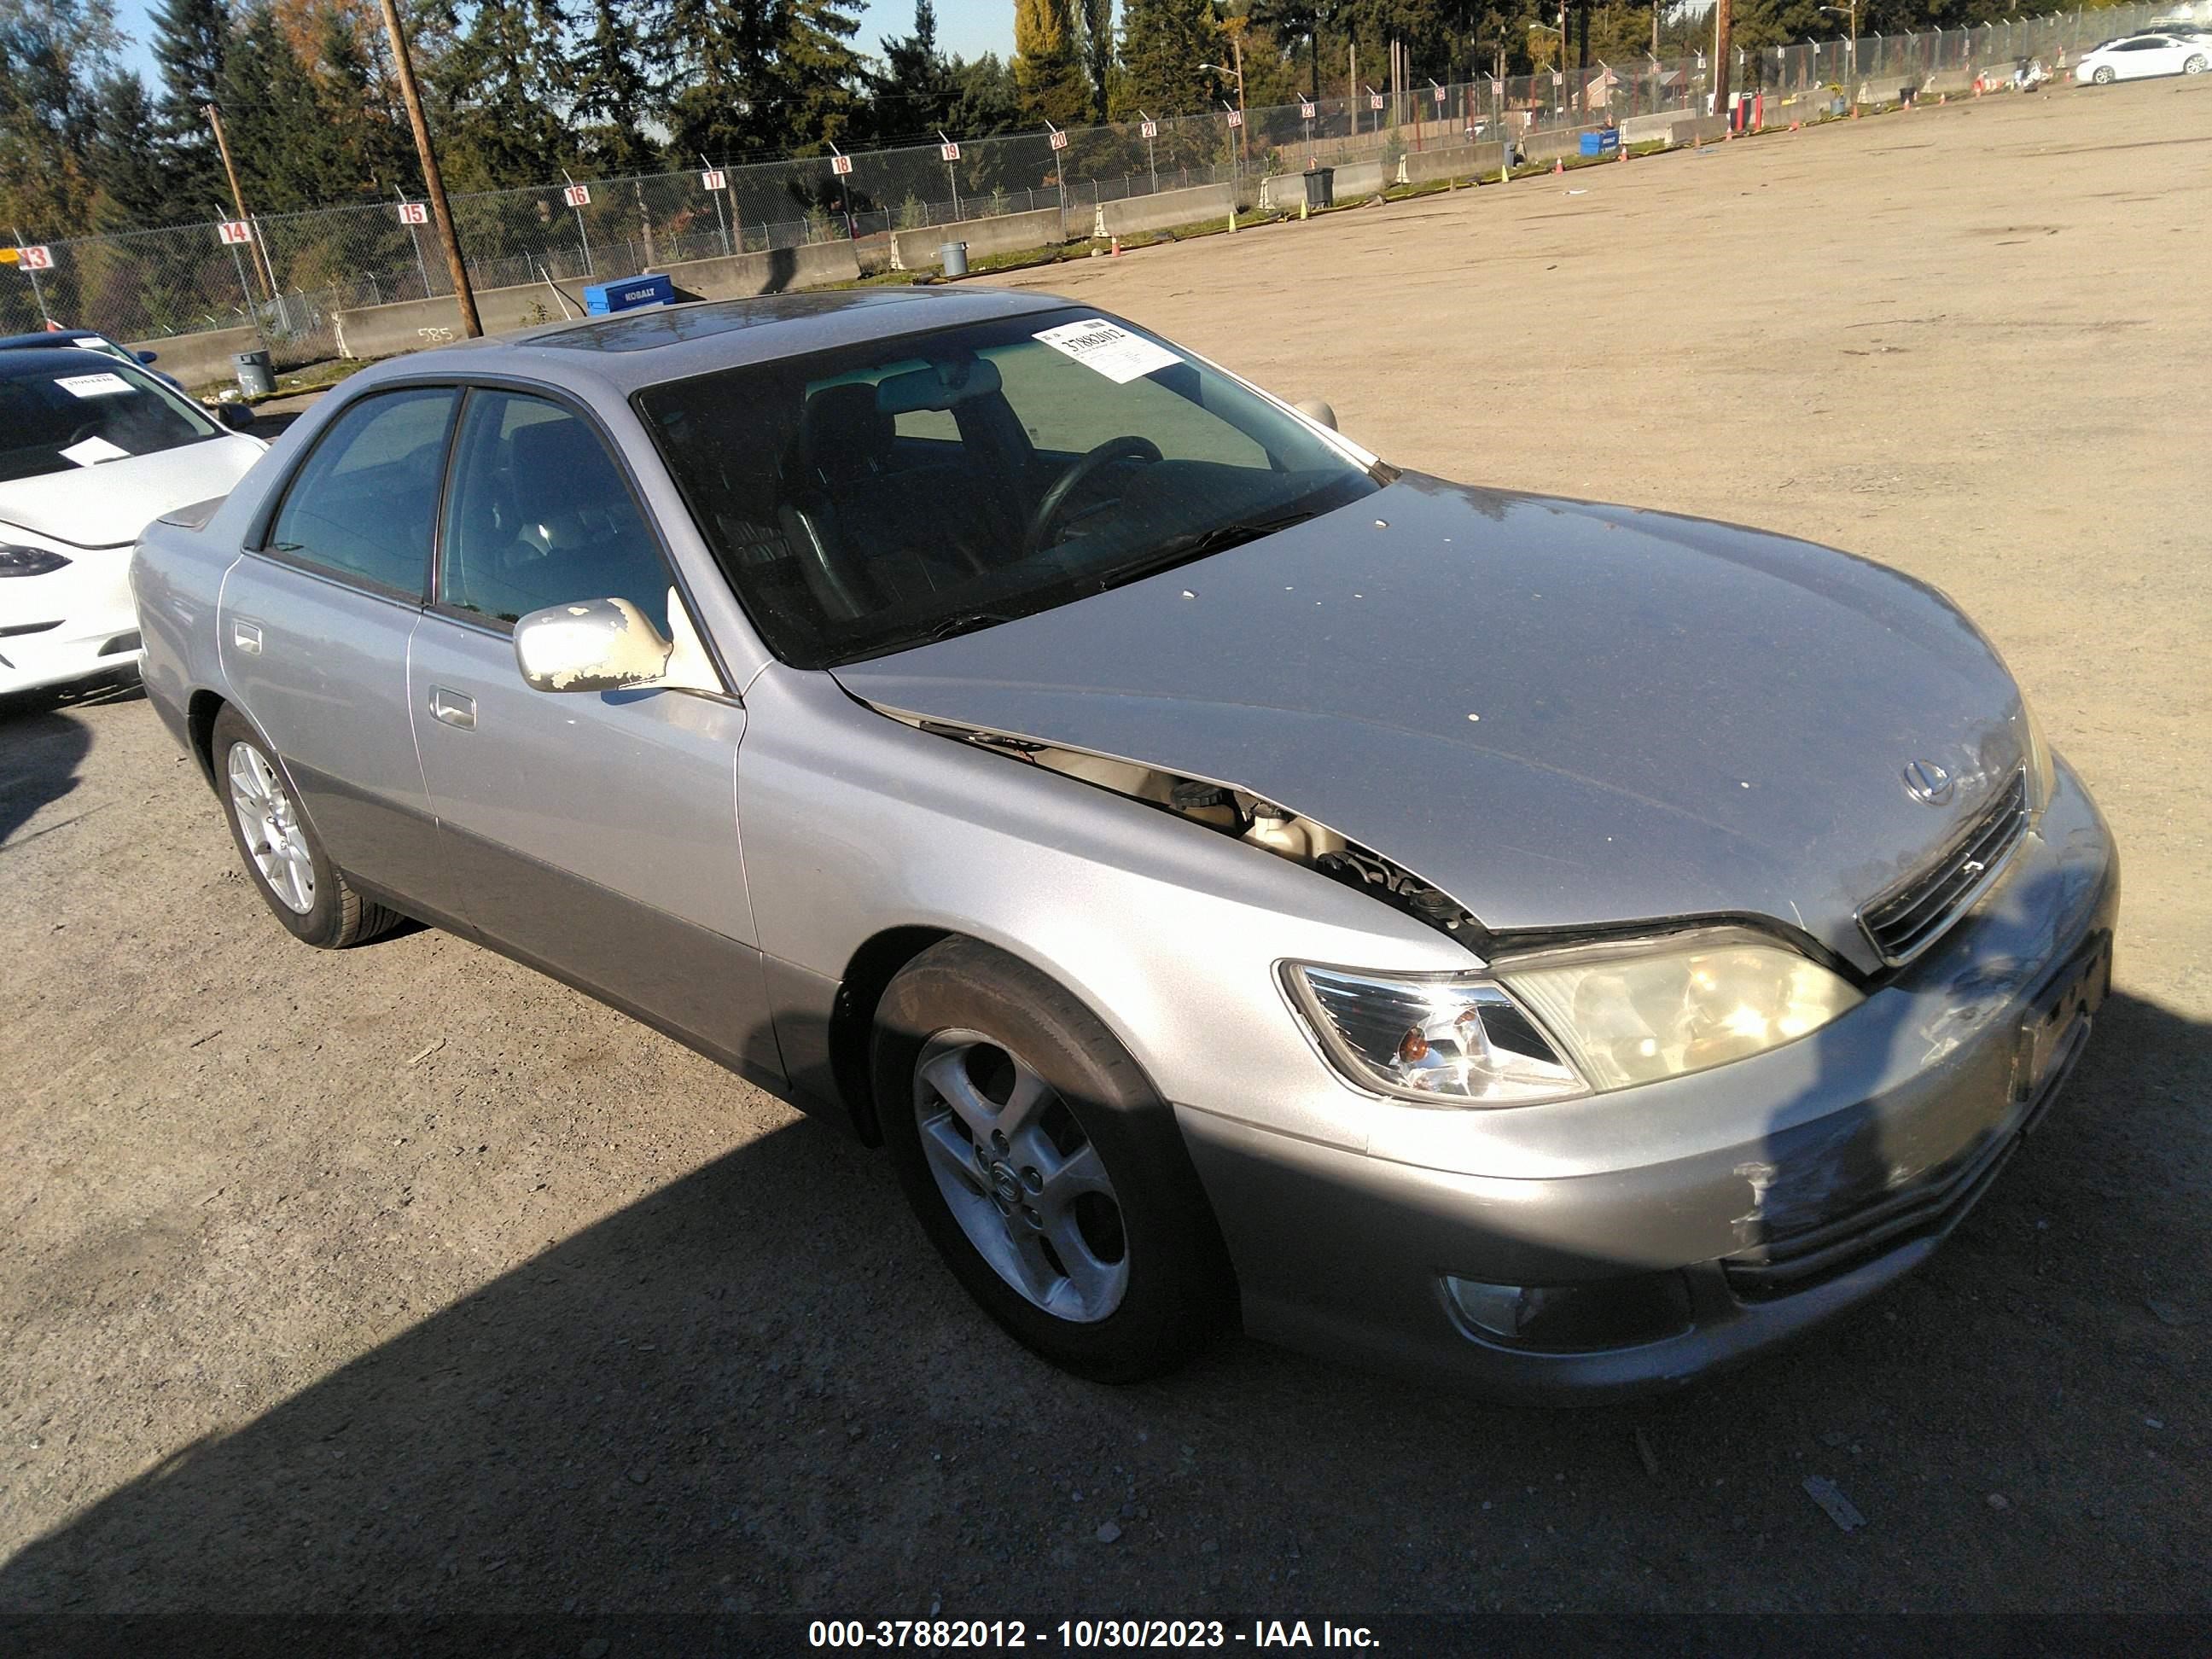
x=403, y=1279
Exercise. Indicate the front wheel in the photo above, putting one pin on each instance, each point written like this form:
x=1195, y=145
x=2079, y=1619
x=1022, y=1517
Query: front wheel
x=2102, y=77
x=1048, y=1175
x=284, y=855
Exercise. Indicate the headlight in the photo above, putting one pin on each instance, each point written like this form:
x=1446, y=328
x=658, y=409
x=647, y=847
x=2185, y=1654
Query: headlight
x=1445, y=1040
x=1633, y=1014
x=29, y=562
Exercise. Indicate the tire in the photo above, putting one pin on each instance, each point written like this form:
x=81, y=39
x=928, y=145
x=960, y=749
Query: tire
x=2102, y=77
x=306, y=892
x=2195, y=65
x=1109, y=1264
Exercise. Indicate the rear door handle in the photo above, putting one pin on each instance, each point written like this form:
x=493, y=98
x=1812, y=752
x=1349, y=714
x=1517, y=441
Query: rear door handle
x=246, y=637
x=453, y=708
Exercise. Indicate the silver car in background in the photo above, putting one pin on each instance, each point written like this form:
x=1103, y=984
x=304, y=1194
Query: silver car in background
x=1550, y=946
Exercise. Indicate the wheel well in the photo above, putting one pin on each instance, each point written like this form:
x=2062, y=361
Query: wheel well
x=853, y=1019
x=199, y=725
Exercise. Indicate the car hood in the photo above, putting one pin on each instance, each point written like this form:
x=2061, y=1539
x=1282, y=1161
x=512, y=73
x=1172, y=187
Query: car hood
x=107, y=505
x=1566, y=715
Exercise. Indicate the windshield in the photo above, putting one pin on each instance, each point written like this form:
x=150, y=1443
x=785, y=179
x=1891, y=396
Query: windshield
x=865, y=500
x=63, y=410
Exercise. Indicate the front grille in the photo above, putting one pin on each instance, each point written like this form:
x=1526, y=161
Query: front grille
x=1909, y=918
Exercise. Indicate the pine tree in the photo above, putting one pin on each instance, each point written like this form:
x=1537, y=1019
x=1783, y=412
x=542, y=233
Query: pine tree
x=191, y=44
x=371, y=134
x=986, y=99
x=126, y=157
x=51, y=54
x=288, y=156
x=816, y=73
x=915, y=93
x=504, y=78
x=1045, y=65
x=1162, y=44
x=1097, y=53
x=612, y=78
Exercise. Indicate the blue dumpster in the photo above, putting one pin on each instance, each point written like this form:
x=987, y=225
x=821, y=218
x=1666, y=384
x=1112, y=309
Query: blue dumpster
x=604, y=299
x=1601, y=143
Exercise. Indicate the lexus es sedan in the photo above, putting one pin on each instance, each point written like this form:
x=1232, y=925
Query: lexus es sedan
x=91, y=450
x=1555, y=947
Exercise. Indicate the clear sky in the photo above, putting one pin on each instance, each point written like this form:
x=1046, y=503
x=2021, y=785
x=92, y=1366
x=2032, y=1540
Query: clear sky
x=967, y=28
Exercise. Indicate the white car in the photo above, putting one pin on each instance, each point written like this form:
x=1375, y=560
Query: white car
x=92, y=451
x=2139, y=56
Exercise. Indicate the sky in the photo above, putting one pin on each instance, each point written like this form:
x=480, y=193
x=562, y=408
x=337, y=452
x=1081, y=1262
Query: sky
x=967, y=29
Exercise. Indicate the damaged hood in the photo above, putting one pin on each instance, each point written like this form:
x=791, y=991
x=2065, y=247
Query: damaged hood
x=1564, y=715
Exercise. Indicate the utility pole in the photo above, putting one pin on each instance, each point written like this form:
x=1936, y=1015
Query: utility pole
x=1722, y=48
x=237, y=196
x=433, y=185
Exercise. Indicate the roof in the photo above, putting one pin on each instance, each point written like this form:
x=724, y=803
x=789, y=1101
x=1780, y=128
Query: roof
x=62, y=337
x=669, y=343
x=59, y=358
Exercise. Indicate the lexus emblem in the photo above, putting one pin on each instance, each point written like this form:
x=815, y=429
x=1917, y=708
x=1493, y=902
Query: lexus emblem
x=1926, y=781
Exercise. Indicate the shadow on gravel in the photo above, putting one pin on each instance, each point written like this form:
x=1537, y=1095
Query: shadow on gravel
x=754, y=1391
x=41, y=746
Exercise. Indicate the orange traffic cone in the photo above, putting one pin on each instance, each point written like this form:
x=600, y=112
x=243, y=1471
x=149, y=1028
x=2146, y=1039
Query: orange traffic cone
x=1558, y=165
x=1117, y=247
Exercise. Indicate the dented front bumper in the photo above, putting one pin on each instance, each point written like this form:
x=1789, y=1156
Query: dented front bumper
x=1831, y=1168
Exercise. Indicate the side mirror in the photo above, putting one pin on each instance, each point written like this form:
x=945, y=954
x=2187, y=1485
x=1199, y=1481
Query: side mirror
x=148, y=356
x=1313, y=409
x=600, y=645
x=237, y=417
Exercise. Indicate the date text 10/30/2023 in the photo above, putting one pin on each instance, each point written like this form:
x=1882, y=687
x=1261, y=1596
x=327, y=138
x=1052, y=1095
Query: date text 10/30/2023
x=1082, y=1634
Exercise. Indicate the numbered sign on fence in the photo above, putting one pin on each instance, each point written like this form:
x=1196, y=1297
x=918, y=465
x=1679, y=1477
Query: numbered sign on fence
x=711, y=179
x=414, y=213
x=35, y=257
x=950, y=153
x=1236, y=118
x=1440, y=97
x=841, y=165
x=235, y=231
x=1060, y=141
x=1152, y=130
x=577, y=196
x=1374, y=101
x=1305, y=111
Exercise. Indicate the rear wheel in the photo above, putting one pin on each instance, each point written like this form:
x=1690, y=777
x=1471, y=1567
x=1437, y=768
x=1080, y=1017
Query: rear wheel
x=283, y=857
x=2195, y=65
x=1051, y=1178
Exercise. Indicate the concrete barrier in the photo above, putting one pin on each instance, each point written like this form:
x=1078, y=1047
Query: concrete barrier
x=1006, y=232
x=1653, y=128
x=1887, y=90
x=199, y=360
x=411, y=324
x=1460, y=161
x=1945, y=82
x=1555, y=144
x=1164, y=210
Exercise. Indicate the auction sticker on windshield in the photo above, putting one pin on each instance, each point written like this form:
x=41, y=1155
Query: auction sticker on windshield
x=1111, y=350
x=93, y=385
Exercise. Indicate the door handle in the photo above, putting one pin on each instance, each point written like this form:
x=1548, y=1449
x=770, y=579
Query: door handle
x=246, y=637
x=453, y=708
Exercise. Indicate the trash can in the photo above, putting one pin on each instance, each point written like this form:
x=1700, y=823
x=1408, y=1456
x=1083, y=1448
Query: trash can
x=255, y=377
x=955, y=255
x=1321, y=187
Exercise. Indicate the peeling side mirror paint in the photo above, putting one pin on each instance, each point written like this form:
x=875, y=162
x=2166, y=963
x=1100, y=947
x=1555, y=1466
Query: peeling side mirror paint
x=598, y=645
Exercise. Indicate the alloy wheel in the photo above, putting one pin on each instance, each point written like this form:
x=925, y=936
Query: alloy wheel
x=269, y=826
x=1020, y=1177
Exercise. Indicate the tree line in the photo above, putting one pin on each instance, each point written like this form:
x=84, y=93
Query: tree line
x=518, y=90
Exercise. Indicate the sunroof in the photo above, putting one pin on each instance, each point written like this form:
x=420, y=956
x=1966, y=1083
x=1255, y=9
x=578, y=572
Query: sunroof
x=661, y=325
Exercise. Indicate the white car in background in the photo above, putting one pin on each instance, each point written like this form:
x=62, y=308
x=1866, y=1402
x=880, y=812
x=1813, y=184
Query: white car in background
x=2140, y=56
x=92, y=451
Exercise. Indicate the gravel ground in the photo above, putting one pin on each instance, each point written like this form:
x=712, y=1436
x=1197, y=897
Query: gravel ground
x=404, y=1279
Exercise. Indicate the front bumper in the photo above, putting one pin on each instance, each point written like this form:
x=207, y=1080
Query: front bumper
x=85, y=622
x=1834, y=1166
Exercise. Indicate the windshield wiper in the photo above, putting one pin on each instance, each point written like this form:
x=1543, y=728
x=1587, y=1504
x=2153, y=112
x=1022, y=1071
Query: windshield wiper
x=1180, y=549
x=948, y=627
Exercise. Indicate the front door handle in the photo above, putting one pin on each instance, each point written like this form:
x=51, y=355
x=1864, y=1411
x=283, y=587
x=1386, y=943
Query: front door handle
x=246, y=637
x=453, y=708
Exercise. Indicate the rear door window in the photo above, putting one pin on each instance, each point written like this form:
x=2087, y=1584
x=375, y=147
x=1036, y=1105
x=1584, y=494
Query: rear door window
x=365, y=504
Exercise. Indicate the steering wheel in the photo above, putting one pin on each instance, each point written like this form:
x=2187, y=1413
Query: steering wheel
x=1128, y=447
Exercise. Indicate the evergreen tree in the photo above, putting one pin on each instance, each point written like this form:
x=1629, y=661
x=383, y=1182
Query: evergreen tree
x=985, y=98
x=816, y=74
x=505, y=80
x=612, y=77
x=1097, y=52
x=288, y=156
x=1162, y=44
x=371, y=135
x=916, y=95
x=192, y=42
x=51, y=52
x=126, y=157
x=1047, y=68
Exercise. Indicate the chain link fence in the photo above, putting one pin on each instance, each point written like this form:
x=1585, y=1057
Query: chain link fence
x=285, y=284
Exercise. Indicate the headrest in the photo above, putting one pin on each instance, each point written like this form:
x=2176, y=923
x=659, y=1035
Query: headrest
x=938, y=386
x=841, y=431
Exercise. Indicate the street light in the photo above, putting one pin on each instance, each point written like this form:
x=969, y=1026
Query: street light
x=1850, y=13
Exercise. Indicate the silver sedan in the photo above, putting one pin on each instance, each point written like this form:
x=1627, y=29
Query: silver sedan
x=1553, y=946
